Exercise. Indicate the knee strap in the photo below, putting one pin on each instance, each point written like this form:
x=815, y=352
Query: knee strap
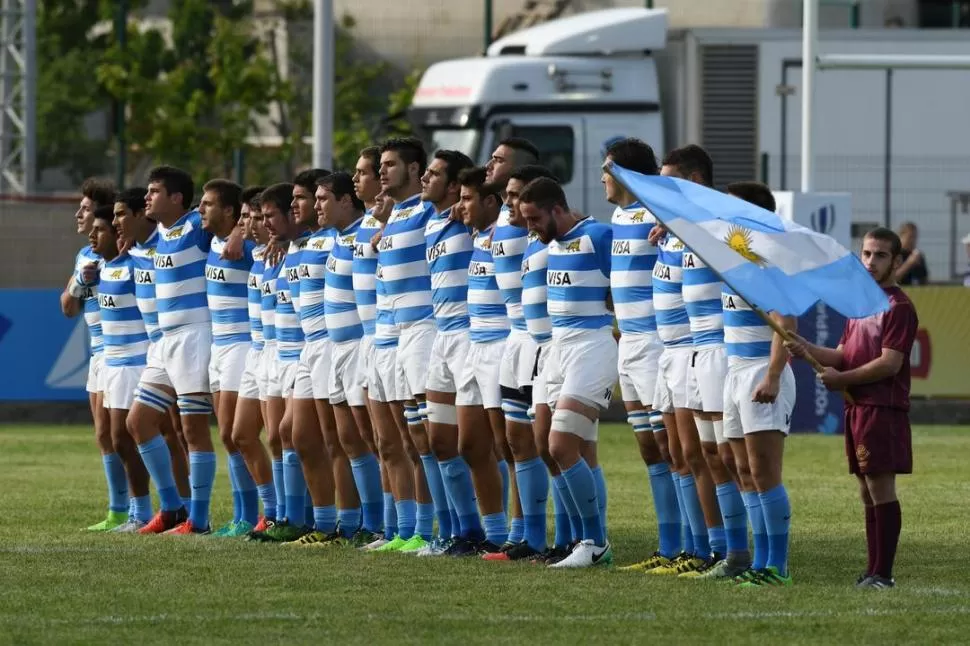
x=442, y=413
x=154, y=397
x=199, y=404
x=567, y=421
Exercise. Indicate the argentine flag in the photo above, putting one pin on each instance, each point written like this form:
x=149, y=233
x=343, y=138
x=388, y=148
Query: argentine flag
x=775, y=265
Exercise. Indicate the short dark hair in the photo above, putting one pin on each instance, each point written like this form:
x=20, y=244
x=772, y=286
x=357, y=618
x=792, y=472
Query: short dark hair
x=175, y=180
x=755, y=192
x=340, y=184
x=373, y=156
x=455, y=162
x=885, y=234
x=230, y=194
x=521, y=145
x=634, y=154
x=545, y=193
x=529, y=172
x=692, y=159
x=99, y=190
x=310, y=178
x=250, y=195
x=133, y=198
x=104, y=212
x=474, y=178
x=279, y=195
x=410, y=149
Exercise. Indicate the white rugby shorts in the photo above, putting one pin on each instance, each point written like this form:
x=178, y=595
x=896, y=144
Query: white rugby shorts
x=386, y=381
x=582, y=368
x=705, y=379
x=95, y=384
x=671, y=390
x=519, y=361
x=365, y=357
x=313, y=370
x=286, y=376
x=743, y=416
x=226, y=366
x=638, y=365
x=539, y=378
x=268, y=380
x=120, y=384
x=181, y=360
x=449, y=355
x=478, y=384
x=249, y=387
x=414, y=356
x=344, y=384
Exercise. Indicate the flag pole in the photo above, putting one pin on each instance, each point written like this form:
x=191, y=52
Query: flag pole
x=770, y=322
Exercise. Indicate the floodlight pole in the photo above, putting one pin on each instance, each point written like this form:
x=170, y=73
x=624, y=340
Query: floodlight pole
x=323, y=82
x=809, y=46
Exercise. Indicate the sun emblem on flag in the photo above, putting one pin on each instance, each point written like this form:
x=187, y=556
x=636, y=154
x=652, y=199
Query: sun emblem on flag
x=739, y=239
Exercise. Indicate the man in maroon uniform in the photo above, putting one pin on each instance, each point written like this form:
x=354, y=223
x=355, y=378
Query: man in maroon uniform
x=871, y=363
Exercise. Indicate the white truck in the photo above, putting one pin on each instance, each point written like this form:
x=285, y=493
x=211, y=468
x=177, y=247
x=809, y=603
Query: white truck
x=897, y=141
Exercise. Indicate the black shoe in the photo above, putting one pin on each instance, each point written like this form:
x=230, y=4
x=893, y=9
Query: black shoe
x=522, y=552
x=462, y=547
x=552, y=555
x=488, y=547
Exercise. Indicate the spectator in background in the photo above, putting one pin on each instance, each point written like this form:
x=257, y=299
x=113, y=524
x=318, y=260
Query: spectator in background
x=966, y=274
x=913, y=269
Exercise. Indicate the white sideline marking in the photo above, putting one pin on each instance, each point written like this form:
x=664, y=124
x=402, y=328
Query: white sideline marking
x=864, y=612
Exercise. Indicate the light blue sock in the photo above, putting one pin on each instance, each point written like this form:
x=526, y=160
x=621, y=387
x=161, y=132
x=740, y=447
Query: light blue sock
x=777, y=512
x=563, y=532
x=249, y=497
x=424, y=522
x=158, y=461
x=457, y=478
x=186, y=501
x=325, y=519
x=532, y=477
x=141, y=508
x=717, y=540
x=348, y=521
x=308, y=518
x=516, y=531
x=436, y=485
x=407, y=511
x=496, y=528
x=759, y=534
x=503, y=469
x=735, y=517
x=202, y=475
x=295, y=487
x=666, y=507
x=267, y=493
x=698, y=528
x=686, y=539
x=234, y=490
x=279, y=483
x=582, y=485
x=367, y=477
x=114, y=473
x=390, y=516
x=601, y=498
x=575, y=520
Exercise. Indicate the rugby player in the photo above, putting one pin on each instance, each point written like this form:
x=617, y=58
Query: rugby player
x=513, y=435
x=125, y=343
x=448, y=249
x=872, y=363
x=227, y=292
x=81, y=295
x=580, y=372
x=631, y=284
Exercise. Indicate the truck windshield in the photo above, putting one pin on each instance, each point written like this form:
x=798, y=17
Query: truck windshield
x=465, y=140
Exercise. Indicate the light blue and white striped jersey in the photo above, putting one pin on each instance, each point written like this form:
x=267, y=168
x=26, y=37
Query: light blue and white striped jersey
x=124, y=335
x=449, y=253
x=226, y=286
x=143, y=257
x=508, y=246
x=343, y=321
x=180, y=285
x=267, y=310
x=578, y=279
x=402, y=266
x=365, y=272
x=534, y=262
x=254, y=287
x=673, y=324
x=631, y=280
x=702, y=298
x=89, y=299
x=746, y=335
x=487, y=316
x=289, y=332
x=309, y=299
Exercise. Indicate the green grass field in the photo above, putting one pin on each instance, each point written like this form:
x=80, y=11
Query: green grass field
x=60, y=585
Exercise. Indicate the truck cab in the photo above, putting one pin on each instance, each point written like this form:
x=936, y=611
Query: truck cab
x=571, y=86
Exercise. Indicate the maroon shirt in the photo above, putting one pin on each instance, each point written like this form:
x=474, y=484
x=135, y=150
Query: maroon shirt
x=863, y=340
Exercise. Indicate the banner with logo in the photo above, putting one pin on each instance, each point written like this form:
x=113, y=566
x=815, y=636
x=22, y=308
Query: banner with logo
x=44, y=354
x=940, y=361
